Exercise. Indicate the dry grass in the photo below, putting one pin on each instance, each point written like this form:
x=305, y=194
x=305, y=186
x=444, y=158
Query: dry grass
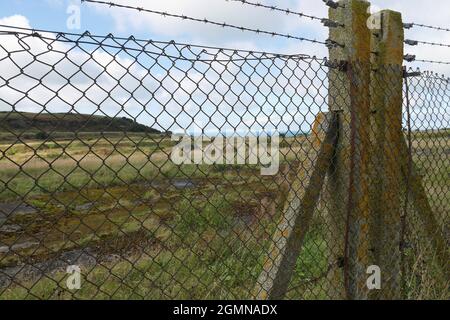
x=112, y=194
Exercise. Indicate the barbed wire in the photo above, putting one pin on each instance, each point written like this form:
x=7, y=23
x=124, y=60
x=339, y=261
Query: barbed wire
x=283, y=10
x=433, y=61
x=413, y=24
x=417, y=42
x=206, y=21
x=215, y=57
x=87, y=38
x=141, y=42
x=412, y=58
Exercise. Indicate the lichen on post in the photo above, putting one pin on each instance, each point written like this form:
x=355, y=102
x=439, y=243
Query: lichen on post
x=348, y=177
x=386, y=134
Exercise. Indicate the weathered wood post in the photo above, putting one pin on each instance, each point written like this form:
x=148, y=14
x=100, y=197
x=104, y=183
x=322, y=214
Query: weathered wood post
x=386, y=125
x=348, y=177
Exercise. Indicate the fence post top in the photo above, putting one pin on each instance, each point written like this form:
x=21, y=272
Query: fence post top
x=344, y=3
x=354, y=37
x=387, y=40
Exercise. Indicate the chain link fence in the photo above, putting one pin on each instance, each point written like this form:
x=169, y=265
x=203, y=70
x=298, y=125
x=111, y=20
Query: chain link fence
x=426, y=121
x=161, y=170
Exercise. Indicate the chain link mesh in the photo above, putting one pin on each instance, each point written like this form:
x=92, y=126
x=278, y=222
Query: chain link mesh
x=89, y=128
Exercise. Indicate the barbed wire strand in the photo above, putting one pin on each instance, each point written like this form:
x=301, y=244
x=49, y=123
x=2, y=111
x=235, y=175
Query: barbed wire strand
x=416, y=42
x=61, y=36
x=413, y=24
x=275, y=8
x=432, y=61
x=206, y=21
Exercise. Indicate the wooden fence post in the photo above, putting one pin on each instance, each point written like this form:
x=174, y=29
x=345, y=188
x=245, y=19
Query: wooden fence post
x=386, y=125
x=348, y=177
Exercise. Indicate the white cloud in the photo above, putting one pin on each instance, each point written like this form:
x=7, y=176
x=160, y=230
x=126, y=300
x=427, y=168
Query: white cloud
x=179, y=94
x=130, y=21
x=16, y=20
x=425, y=12
x=234, y=13
x=123, y=85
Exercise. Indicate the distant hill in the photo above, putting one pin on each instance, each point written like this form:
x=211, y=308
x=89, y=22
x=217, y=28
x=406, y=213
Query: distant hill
x=68, y=122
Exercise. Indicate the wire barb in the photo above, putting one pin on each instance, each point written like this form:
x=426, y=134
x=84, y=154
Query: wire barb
x=92, y=172
x=283, y=10
x=413, y=24
x=433, y=61
x=416, y=42
x=206, y=21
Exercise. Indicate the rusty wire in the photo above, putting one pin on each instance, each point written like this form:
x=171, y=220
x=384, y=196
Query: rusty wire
x=402, y=243
x=416, y=42
x=410, y=25
x=432, y=61
x=87, y=176
x=207, y=21
x=277, y=9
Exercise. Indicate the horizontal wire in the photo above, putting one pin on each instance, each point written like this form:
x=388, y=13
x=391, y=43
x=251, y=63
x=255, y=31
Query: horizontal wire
x=432, y=61
x=275, y=8
x=415, y=42
x=413, y=24
x=435, y=76
x=206, y=21
x=143, y=42
x=64, y=39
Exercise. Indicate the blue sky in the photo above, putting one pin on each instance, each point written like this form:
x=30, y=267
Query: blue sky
x=52, y=15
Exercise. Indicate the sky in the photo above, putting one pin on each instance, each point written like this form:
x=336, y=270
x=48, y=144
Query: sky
x=102, y=20
x=52, y=14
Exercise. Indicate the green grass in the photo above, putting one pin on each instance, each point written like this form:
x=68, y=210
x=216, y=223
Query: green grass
x=204, y=248
x=221, y=268
x=205, y=242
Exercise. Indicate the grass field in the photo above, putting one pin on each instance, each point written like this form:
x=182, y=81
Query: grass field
x=142, y=227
